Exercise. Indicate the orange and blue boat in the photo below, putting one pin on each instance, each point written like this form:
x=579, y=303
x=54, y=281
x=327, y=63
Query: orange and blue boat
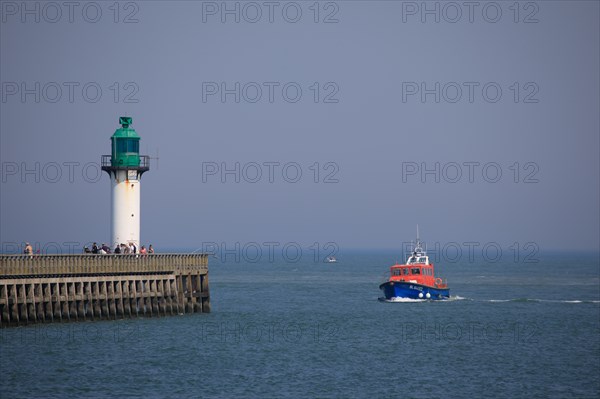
x=415, y=279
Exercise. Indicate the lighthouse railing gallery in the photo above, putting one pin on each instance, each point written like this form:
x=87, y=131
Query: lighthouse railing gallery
x=106, y=162
x=85, y=264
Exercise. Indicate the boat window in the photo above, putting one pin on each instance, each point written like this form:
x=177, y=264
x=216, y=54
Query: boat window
x=422, y=260
x=415, y=271
x=405, y=270
x=396, y=272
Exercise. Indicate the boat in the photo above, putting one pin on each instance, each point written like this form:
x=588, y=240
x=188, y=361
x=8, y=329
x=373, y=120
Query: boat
x=415, y=279
x=331, y=259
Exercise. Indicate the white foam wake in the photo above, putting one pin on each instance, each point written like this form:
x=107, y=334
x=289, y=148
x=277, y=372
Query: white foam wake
x=542, y=300
x=402, y=299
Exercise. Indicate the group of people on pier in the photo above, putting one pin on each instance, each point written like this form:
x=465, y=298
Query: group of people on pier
x=104, y=249
x=128, y=249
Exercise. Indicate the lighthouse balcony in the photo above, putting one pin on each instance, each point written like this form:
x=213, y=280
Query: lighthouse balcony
x=141, y=164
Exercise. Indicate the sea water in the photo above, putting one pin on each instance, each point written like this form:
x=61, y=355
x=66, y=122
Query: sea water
x=311, y=329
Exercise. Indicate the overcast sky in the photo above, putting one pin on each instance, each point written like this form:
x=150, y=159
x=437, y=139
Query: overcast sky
x=498, y=104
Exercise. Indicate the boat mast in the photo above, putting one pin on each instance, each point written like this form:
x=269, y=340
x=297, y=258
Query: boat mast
x=418, y=243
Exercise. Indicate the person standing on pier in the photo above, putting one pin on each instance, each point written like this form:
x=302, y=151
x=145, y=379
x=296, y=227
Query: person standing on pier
x=28, y=249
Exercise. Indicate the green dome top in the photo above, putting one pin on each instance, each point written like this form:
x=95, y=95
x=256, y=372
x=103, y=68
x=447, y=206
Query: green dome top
x=125, y=131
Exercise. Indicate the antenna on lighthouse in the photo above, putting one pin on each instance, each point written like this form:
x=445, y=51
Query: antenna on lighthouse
x=156, y=157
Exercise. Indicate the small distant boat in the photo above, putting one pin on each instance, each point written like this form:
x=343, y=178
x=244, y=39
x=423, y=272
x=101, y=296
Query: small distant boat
x=331, y=259
x=415, y=279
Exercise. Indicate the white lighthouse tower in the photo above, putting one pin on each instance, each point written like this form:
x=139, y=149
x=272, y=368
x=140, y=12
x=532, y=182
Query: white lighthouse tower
x=125, y=167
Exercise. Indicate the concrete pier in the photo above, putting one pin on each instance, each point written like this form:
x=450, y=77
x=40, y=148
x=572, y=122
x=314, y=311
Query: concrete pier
x=62, y=288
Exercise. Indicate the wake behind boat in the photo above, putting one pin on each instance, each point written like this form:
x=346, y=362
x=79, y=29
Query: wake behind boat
x=415, y=279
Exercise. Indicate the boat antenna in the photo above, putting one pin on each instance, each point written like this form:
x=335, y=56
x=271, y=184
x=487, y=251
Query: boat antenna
x=418, y=239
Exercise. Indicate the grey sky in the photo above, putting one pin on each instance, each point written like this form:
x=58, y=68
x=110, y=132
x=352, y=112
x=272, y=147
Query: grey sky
x=364, y=130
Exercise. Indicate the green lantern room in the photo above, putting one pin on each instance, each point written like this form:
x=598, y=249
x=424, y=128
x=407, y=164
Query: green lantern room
x=125, y=151
x=125, y=145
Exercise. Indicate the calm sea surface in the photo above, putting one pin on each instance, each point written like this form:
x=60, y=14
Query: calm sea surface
x=308, y=329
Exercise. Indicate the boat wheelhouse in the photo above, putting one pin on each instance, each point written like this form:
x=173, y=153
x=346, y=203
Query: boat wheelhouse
x=415, y=279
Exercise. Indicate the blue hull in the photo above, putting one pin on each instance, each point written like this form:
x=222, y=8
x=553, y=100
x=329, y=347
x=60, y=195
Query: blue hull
x=402, y=289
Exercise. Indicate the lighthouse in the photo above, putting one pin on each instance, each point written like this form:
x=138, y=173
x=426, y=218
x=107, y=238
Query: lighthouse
x=125, y=167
